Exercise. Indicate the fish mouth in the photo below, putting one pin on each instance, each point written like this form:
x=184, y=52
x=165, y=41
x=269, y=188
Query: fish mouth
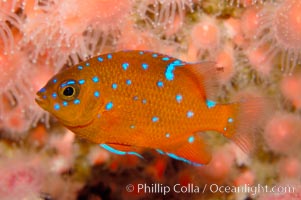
x=41, y=101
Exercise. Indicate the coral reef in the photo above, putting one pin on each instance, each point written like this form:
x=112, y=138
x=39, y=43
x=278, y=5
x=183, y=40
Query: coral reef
x=258, y=43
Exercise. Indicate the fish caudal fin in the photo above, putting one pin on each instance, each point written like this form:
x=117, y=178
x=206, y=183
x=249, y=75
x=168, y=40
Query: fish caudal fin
x=247, y=116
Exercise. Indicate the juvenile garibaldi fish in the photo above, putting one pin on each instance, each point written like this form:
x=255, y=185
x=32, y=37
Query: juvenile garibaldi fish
x=132, y=99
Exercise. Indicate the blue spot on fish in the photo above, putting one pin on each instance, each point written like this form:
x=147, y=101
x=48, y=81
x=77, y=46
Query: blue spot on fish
x=65, y=103
x=80, y=67
x=189, y=114
x=82, y=81
x=42, y=90
x=170, y=68
x=179, y=98
x=125, y=66
x=155, y=119
x=87, y=64
x=118, y=152
x=230, y=120
x=144, y=66
x=54, y=95
x=155, y=55
x=114, y=86
x=100, y=59
x=109, y=105
x=132, y=126
x=144, y=101
x=54, y=80
x=128, y=82
x=210, y=104
x=70, y=82
x=56, y=106
x=76, y=101
x=165, y=58
x=141, y=52
x=191, y=139
x=160, y=84
x=96, y=94
x=167, y=135
x=109, y=56
x=95, y=79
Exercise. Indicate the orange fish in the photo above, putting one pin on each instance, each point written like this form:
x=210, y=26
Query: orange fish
x=131, y=99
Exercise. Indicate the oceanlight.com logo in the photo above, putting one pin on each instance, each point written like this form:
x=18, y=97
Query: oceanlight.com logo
x=158, y=188
x=252, y=190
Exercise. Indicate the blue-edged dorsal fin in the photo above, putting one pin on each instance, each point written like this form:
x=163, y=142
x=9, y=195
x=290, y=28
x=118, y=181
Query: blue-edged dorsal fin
x=120, y=149
x=193, y=151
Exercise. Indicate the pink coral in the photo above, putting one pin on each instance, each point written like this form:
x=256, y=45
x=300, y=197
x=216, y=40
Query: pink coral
x=9, y=23
x=14, y=78
x=69, y=25
x=63, y=144
x=243, y=3
x=289, y=86
x=219, y=168
x=259, y=60
x=226, y=59
x=205, y=38
x=280, y=26
x=12, y=67
x=284, y=191
x=250, y=21
x=165, y=12
x=290, y=168
x=16, y=123
x=20, y=178
x=282, y=133
x=245, y=178
x=234, y=31
x=19, y=80
x=97, y=156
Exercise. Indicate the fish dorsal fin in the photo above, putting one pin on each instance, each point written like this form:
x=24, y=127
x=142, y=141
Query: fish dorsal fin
x=192, y=151
x=120, y=149
x=206, y=75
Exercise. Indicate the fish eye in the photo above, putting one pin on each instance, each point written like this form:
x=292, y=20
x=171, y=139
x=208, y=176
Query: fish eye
x=68, y=90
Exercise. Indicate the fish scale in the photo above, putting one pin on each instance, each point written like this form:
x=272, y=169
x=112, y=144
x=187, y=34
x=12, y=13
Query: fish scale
x=137, y=99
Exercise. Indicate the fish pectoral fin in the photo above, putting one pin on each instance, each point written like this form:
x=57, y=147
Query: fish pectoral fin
x=120, y=149
x=192, y=151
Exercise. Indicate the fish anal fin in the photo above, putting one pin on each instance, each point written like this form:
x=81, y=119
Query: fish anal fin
x=120, y=149
x=206, y=75
x=193, y=151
